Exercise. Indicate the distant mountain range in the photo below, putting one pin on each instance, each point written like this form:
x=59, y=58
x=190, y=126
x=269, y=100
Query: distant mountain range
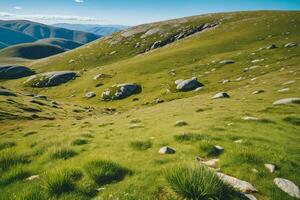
x=93, y=28
x=14, y=32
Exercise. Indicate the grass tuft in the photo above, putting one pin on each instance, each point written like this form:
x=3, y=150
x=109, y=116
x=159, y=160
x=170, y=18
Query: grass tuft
x=208, y=150
x=9, y=159
x=78, y=142
x=6, y=145
x=188, y=137
x=63, y=153
x=105, y=172
x=140, y=145
x=197, y=182
x=62, y=181
x=16, y=173
x=292, y=120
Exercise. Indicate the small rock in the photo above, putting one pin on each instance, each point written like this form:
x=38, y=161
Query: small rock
x=272, y=46
x=34, y=177
x=288, y=186
x=187, y=85
x=249, y=118
x=90, y=95
x=219, y=148
x=270, y=167
x=291, y=44
x=225, y=62
x=289, y=82
x=167, y=150
x=257, y=60
x=221, y=95
x=238, y=141
x=284, y=90
x=181, y=123
x=287, y=101
x=241, y=185
x=40, y=97
x=213, y=163
x=258, y=92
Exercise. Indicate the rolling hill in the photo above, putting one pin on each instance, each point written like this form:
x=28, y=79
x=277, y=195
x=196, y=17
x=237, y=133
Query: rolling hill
x=103, y=30
x=20, y=31
x=109, y=149
x=39, y=49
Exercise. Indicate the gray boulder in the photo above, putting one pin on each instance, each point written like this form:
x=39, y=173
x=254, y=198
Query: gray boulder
x=90, y=95
x=242, y=186
x=14, y=72
x=287, y=101
x=50, y=79
x=288, y=186
x=4, y=92
x=221, y=95
x=166, y=150
x=156, y=45
x=121, y=91
x=187, y=85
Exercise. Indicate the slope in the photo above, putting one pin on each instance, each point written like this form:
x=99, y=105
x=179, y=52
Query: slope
x=12, y=37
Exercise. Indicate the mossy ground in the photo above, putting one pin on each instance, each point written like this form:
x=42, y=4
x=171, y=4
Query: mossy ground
x=239, y=37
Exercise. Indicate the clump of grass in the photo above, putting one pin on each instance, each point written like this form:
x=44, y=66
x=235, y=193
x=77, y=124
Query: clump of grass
x=197, y=182
x=5, y=145
x=9, y=159
x=140, y=145
x=63, y=153
x=242, y=157
x=105, y=172
x=16, y=173
x=31, y=193
x=292, y=120
x=30, y=133
x=208, y=150
x=80, y=141
x=188, y=137
x=62, y=181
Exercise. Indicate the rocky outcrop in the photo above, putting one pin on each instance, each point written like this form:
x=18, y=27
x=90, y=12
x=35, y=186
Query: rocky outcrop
x=187, y=85
x=50, y=79
x=121, y=91
x=14, y=72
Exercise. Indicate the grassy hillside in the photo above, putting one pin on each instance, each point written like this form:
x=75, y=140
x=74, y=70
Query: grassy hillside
x=41, y=31
x=76, y=133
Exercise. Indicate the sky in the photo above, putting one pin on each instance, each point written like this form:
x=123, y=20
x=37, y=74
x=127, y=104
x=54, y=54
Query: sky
x=128, y=12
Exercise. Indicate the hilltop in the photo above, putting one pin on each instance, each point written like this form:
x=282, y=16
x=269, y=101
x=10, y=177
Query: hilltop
x=219, y=89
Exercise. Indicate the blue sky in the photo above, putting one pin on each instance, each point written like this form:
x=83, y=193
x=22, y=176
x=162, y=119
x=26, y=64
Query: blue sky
x=128, y=12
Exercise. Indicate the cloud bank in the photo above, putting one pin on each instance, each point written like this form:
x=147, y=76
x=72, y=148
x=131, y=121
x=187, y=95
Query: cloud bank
x=47, y=17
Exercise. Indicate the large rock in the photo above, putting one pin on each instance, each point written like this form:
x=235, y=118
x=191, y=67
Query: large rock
x=50, y=79
x=121, y=91
x=187, y=85
x=238, y=184
x=14, y=72
x=287, y=101
x=288, y=186
x=4, y=92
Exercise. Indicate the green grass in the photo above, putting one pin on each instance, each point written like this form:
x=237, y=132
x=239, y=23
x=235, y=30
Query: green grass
x=16, y=173
x=188, y=137
x=197, y=183
x=292, y=120
x=105, y=172
x=207, y=149
x=62, y=181
x=5, y=145
x=9, y=159
x=63, y=153
x=140, y=145
x=79, y=141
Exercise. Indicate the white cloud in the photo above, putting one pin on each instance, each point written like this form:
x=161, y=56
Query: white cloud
x=79, y=1
x=47, y=17
x=18, y=8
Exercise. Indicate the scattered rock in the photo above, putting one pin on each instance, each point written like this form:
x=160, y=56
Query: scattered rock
x=257, y=60
x=156, y=45
x=90, y=95
x=241, y=185
x=113, y=52
x=181, y=123
x=270, y=167
x=34, y=177
x=225, y=62
x=284, y=90
x=213, y=163
x=101, y=76
x=221, y=95
x=14, y=72
x=4, y=92
x=50, y=79
x=121, y=91
x=289, y=82
x=43, y=97
x=287, y=101
x=272, y=46
x=187, y=85
x=238, y=141
x=167, y=150
x=219, y=148
x=288, y=186
x=225, y=81
x=291, y=44
x=249, y=118
x=258, y=92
